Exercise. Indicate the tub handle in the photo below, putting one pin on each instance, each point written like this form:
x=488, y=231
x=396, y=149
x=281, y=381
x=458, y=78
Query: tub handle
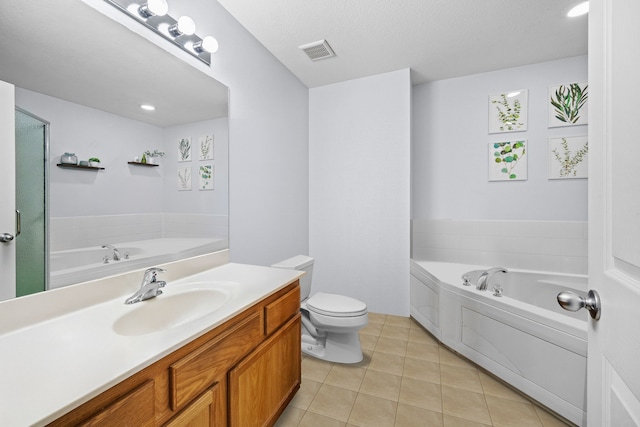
x=573, y=302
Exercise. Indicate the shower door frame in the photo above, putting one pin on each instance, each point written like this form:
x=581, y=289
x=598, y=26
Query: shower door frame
x=47, y=125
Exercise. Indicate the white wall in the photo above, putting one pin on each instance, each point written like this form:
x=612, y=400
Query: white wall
x=115, y=140
x=359, y=189
x=268, y=140
x=450, y=140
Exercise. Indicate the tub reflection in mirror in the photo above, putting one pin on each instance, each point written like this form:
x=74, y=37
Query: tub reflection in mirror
x=90, y=91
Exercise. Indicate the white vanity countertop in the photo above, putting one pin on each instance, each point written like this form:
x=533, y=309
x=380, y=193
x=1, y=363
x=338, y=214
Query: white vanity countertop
x=52, y=365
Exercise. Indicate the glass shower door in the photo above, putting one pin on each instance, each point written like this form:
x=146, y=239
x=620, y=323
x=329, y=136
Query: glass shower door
x=31, y=203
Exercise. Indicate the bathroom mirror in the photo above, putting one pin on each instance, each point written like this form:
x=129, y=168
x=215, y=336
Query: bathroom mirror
x=87, y=75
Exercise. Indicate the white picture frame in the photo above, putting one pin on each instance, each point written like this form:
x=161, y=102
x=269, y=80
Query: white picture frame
x=183, y=149
x=183, y=178
x=206, y=177
x=508, y=161
x=568, y=104
x=568, y=157
x=508, y=111
x=206, y=147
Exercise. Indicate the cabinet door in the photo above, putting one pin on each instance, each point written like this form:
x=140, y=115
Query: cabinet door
x=265, y=381
x=200, y=413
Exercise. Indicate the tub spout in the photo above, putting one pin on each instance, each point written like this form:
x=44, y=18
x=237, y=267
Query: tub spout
x=116, y=252
x=483, y=280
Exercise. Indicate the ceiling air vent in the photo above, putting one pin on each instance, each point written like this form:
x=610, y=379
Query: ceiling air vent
x=318, y=50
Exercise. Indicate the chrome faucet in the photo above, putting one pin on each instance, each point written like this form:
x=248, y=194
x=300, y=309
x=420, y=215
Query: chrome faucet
x=150, y=287
x=483, y=280
x=116, y=252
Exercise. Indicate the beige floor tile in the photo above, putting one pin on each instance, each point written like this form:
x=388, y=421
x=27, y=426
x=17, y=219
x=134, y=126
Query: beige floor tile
x=422, y=336
x=370, y=411
x=411, y=416
x=315, y=369
x=391, y=346
x=422, y=394
x=376, y=317
x=389, y=363
x=423, y=370
x=494, y=387
x=290, y=417
x=366, y=359
x=448, y=357
x=550, y=420
x=345, y=376
x=333, y=402
x=372, y=329
x=368, y=342
x=311, y=419
x=454, y=376
x=395, y=332
x=465, y=404
x=380, y=384
x=401, y=321
x=423, y=351
x=450, y=421
x=506, y=413
x=304, y=396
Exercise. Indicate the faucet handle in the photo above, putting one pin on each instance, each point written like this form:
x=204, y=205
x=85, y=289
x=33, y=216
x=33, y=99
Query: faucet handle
x=150, y=273
x=466, y=279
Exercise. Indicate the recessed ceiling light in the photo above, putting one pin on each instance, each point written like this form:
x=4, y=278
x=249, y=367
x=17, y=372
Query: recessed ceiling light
x=579, y=10
x=147, y=107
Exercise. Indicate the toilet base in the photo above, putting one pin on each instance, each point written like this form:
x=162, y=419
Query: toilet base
x=334, y=347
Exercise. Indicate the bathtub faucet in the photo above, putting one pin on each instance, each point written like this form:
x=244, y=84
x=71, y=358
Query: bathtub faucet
x=116, y=252
x=483, y=280
x=149, y=288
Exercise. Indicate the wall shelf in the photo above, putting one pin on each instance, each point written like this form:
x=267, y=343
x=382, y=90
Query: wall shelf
x=143, y=164
x=68, y=166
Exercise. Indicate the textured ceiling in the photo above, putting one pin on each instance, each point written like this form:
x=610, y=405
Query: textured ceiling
x=68, y=50
x=436, y=39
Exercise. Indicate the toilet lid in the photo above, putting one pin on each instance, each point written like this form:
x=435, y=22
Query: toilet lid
x=336, y=305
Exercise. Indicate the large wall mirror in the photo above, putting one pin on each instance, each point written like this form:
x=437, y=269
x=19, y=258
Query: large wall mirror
x=82, y=77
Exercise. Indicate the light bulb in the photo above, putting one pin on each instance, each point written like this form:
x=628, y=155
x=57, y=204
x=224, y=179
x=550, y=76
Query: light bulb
x=184, y=26
x=208, y=44
x=578, y=10
x=153, y=8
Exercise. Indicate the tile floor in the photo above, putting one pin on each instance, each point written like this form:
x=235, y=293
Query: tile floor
x=407, y=379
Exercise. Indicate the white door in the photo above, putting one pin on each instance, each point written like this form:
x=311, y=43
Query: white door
x=613, y=379
x=7, y=192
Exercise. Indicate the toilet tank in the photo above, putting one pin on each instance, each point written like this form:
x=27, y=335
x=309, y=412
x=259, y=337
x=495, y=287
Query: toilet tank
x=300, y=263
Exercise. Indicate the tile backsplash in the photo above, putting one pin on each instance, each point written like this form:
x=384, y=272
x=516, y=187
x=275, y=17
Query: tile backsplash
x=87, y=231
x=559, y=246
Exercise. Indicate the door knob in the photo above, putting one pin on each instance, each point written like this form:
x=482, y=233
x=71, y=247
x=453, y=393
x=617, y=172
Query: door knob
x=573, y=302
x=6, y=237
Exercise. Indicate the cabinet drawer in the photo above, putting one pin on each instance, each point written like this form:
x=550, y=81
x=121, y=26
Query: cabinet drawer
x=281, y=310
x=193, y=374
x=134, y=409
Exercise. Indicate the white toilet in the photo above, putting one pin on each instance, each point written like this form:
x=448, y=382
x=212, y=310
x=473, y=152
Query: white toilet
x=330, y=322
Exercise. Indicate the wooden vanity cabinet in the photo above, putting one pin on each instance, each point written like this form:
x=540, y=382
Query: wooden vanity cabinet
x=242, y=373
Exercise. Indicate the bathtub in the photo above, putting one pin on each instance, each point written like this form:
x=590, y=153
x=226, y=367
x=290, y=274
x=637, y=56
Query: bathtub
x=83, y=264
x=523, y=337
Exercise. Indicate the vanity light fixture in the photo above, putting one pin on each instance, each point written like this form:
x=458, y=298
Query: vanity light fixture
x=579, y=10
x=153, y=14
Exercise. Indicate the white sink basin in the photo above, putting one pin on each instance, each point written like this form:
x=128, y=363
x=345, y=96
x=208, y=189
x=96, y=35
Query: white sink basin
x=170, y=310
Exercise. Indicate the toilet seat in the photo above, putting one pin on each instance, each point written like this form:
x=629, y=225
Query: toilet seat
x=334, y=305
